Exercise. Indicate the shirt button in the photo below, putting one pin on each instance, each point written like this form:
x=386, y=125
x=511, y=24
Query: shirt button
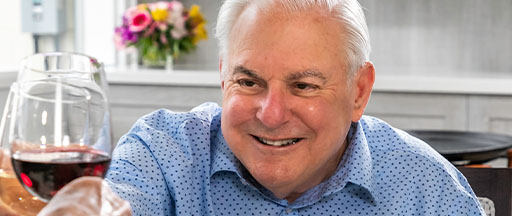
x=288, y=211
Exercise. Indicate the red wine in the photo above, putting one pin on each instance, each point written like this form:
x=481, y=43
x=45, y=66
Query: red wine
x=44, y=172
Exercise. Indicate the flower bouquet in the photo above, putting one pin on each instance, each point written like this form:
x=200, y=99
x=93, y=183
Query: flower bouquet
x=161, y=31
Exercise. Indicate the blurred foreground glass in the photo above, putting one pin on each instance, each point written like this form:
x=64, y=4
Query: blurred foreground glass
x=57, y=136
x=61, y=124
x=13, y=197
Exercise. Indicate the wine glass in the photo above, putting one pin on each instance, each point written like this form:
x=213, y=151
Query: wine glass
x=58, y=135
x=61, y=126
x=13, y=197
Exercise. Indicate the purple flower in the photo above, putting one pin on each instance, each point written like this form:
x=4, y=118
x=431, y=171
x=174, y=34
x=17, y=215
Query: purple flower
x=123, y=36
x=125, y=21
x=126, y=34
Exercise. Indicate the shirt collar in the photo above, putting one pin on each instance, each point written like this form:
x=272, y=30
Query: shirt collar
x=222, y=157
x=355, y=166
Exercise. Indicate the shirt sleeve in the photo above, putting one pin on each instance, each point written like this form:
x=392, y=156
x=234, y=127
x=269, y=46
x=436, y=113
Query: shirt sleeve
x=135, y=176
x=475, y=208
x=438, y=188
x=455, y=196
x=421, y=182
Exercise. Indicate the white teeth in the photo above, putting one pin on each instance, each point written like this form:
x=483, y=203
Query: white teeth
x=278, y=142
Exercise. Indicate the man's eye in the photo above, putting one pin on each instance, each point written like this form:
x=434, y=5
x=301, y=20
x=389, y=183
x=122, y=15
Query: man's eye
x=305, y=86
x=246, y=83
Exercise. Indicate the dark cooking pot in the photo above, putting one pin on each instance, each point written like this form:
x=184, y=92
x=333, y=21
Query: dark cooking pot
x=463, y=148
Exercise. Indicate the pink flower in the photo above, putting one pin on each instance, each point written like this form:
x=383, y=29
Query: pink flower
x=178, y=32
x=162, y=26
x=176, y=6
x=159, y=5
x=176, y=16
x=138, y=18
x=177, y=20
x=118, y=41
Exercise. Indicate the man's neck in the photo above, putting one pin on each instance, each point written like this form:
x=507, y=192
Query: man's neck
x=294, y=195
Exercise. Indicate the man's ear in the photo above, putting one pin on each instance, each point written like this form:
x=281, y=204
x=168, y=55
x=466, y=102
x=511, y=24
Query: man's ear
x=221, y=75
x=363, y=82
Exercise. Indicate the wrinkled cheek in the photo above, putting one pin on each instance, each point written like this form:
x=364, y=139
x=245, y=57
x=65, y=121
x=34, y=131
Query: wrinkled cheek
x=235, y=121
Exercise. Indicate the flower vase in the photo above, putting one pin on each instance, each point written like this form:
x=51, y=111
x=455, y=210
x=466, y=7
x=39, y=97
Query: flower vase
x=151, y=61
x=158, y=29
x=160, y=61
x=169, y=63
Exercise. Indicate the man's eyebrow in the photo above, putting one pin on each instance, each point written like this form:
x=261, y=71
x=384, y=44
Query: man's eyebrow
x=307, y=73
x=246, y=71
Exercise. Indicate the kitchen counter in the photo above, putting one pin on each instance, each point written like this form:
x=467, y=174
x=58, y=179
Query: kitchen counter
x=447, y=84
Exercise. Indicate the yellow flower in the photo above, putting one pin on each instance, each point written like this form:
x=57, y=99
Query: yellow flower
x=196, y=16
x=200, y=33
x=159, y=14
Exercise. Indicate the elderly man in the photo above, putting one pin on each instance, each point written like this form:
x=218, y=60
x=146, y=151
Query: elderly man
x=290, y=138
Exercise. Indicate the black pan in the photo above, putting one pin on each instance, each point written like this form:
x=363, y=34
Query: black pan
x=466, y=147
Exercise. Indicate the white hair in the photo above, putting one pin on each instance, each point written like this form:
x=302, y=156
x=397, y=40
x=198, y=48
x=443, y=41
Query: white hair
x=347, y=12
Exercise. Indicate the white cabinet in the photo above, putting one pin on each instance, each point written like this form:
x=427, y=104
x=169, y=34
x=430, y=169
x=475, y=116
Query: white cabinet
x=479, y=113
x=490, y=114
x=420, y=111
x=130, y=102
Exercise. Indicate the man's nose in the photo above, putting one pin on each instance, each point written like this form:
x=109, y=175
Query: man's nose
x=273, y=111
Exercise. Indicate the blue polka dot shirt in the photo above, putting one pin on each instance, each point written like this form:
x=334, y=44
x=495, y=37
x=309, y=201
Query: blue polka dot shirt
x=179, y=164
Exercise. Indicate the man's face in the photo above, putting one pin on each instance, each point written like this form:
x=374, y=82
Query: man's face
x=287, y=107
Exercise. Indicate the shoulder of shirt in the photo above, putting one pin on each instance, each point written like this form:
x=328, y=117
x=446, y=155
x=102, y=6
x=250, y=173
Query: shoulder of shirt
x=163, y=130
x=387, y=143
x=166, y=120
x=383, y=137
x=385, y=140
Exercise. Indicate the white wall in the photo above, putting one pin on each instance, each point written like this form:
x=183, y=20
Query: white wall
x=14, y=44
x=97, y=29
x=423, y=37
x=438, y=38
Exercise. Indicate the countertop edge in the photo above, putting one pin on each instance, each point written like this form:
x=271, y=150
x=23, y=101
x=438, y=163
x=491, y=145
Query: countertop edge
x=383, y=83
x=452, y=85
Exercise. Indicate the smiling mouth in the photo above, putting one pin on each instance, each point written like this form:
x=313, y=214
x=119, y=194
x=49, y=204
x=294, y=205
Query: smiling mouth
x=277, y=143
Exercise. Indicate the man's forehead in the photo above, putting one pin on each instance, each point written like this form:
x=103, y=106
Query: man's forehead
x=259, y=38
